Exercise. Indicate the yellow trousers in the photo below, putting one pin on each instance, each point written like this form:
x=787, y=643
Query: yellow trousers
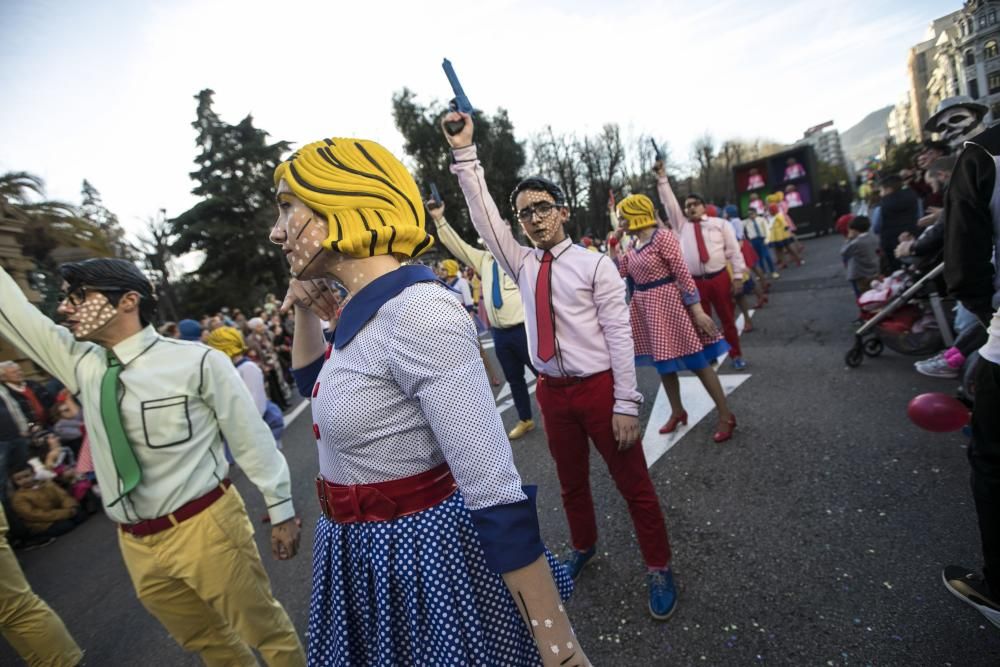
x=204, y=581
x=32, y=628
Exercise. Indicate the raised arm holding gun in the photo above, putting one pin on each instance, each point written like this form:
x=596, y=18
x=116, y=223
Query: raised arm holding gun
x=580, y=341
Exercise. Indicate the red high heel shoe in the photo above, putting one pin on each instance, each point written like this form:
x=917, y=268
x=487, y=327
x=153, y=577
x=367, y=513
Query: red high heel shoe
x=722, y=436
x=674, y=422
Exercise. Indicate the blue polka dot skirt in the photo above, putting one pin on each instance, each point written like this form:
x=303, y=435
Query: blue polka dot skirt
x=414, y=591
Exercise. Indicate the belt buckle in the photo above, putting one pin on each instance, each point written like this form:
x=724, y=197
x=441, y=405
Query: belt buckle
x=324, y=504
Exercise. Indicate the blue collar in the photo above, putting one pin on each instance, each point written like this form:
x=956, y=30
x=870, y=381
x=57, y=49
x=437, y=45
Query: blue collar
x=363, y=306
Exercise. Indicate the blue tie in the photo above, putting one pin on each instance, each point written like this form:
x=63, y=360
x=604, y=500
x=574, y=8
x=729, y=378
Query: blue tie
x=497, y=297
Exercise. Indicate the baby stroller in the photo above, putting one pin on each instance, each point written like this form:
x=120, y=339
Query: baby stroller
x=905, y=313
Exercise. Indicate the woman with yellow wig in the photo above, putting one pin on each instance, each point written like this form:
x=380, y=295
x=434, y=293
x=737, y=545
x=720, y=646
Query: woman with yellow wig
x=428, y=551
x=230, y=342
x=671, y=330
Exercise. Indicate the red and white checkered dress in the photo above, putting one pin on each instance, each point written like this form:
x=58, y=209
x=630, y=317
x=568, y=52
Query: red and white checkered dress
x=661, y=325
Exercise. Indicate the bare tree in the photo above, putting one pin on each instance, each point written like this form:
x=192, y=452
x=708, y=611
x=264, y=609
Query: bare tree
x=153, y=246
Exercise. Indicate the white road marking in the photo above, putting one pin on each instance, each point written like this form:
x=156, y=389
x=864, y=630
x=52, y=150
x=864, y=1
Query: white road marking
x=697, y=402
x=296, y=411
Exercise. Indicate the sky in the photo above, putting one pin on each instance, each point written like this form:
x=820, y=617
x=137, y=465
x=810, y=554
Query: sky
x=104, y=90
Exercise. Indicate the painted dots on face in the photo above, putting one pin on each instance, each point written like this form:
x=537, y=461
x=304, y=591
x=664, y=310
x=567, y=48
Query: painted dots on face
x=94, y=314
x=539, y=229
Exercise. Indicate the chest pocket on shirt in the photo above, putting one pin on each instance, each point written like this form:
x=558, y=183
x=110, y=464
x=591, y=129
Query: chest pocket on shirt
x=166, y=422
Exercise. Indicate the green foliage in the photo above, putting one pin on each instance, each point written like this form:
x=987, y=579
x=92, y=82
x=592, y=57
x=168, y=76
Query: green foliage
x=230, y=225
x=900, y=156
x=501, y=154
x=48, y=226
x=92, y=208
x=830, y=174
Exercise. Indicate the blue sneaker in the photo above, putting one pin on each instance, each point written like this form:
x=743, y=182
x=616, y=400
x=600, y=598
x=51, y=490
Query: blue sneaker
x=662, y=594
x=739, y=364
x=577, y=560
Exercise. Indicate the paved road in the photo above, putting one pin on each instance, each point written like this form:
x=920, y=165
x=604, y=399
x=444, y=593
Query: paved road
x=815, y=537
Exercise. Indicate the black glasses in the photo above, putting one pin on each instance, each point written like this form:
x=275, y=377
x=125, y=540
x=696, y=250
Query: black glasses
x=542, y=209
x=692, y=204
x=76, y=297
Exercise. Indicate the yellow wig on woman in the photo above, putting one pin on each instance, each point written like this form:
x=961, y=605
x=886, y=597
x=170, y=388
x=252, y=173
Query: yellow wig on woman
x=450, y=267
x=227, y=340
x=368, y=198
x=639, y=211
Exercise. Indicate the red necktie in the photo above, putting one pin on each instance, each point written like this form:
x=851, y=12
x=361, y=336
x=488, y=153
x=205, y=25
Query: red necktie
x=700, y=240
x=543, y=309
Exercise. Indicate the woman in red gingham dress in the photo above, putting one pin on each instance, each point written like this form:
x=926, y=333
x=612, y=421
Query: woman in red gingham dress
x=671, y=331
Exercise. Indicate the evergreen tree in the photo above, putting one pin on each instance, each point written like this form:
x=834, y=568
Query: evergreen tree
x=502, y=156
x=230, y=225
x=92, y=208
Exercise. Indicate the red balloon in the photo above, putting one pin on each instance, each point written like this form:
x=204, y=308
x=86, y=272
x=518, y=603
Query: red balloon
x=938, y=412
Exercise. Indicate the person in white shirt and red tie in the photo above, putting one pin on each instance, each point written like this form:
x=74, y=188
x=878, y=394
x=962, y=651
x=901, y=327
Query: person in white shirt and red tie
x=709, y=245
x=580, y=340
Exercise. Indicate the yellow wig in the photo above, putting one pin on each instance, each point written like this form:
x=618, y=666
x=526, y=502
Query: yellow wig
x=368, y=198
x=227, y=340
x=639, y=211
x=775, y=197
x=450, y=267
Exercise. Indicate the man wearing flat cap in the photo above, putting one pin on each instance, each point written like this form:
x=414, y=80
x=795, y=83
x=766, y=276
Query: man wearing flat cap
x=157, y=409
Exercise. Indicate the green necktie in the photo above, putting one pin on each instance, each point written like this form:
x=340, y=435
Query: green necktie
x=121, y=450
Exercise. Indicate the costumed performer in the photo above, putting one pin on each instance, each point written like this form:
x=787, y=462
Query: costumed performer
x=428, y=551
x=709, y=247
x=157, y=409
x=505, y=312
x=581, y=343
x=671, y=331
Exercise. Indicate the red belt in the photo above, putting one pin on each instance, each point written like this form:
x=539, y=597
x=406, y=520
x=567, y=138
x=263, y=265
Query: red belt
x=565, y=381
x=181, y=514
x=385, y=500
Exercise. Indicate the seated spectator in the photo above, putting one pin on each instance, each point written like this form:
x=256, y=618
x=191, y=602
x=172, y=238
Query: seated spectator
x=51, y=460
x=189, y=330
x=45, y=509
x=860, y=254
x=68, y=422
x=34, y=400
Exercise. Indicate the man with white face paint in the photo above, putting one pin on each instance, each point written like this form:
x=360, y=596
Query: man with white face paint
x=580, y=340
x=156, y=409
x=956, y=120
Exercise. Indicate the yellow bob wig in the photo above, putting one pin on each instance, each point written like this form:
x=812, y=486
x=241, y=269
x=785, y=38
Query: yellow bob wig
x=368, y=198
x=639, y=211
x=450, y=267
x=227, y=340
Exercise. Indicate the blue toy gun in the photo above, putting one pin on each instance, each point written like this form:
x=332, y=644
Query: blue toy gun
x=659, y=154
x=435, y=195
x=459, y=103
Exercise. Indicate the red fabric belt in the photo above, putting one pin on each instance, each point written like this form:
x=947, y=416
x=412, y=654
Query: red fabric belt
x=385, y=500
x=564, y=381
x=183, y=513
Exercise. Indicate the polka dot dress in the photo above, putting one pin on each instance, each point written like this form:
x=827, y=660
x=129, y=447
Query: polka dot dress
x=414, y=591
x=406, y=394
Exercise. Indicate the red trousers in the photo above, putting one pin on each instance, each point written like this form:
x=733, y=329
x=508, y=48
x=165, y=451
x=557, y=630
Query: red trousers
x=717, y=292
x=574, y=412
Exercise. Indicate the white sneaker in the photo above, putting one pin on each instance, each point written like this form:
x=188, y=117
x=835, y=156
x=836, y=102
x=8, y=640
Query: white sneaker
x=936, y=367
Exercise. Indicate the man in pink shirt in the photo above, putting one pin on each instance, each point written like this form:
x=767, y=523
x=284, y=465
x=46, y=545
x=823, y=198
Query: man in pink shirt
x=708, y=244
x=580, y=341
